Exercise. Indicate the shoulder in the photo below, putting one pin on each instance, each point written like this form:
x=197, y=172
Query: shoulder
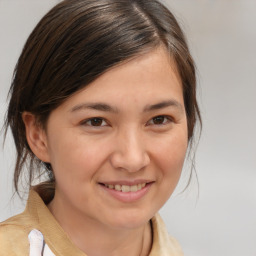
x=14, y=236
x=163, y=243
x=176, y=246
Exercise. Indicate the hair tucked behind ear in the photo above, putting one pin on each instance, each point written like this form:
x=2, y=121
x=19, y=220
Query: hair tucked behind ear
x=75, y=43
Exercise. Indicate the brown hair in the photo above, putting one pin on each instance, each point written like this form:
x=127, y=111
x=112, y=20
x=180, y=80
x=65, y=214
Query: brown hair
x=76, y=42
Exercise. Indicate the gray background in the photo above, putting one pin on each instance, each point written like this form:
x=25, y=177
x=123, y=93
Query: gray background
x=221, y=221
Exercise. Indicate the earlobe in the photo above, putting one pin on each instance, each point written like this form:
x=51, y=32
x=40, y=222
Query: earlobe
x=36, y=137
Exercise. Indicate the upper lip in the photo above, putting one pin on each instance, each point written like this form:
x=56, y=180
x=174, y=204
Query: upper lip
x=126, y=182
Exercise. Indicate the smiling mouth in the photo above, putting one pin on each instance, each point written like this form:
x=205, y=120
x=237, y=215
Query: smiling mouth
x=127, y=191
x=126, y=188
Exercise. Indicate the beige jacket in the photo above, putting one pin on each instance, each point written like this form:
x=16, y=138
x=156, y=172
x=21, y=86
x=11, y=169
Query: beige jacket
x=14, y=233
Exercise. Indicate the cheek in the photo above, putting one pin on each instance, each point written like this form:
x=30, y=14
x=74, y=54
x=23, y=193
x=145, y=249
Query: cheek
x=75, y=159
x=170, y=157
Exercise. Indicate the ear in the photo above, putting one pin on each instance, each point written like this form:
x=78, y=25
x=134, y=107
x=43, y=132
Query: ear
x=36, y=137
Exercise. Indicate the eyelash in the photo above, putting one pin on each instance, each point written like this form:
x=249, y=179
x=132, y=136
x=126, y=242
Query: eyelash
x=85, y=122
x=167, y=119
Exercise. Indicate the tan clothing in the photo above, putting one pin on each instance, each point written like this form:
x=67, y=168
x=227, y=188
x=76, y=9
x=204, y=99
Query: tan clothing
x=14, y=233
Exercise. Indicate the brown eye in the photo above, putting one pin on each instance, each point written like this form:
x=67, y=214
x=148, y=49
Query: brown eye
x=96, y=121
x=160, y=120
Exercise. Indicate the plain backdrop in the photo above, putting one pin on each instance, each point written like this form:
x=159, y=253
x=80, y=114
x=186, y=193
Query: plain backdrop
x=219, y=219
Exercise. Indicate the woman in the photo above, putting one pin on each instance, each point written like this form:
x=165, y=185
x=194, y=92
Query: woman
x=104, y=101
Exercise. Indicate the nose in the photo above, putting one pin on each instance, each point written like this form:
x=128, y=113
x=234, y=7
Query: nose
x=129, y=152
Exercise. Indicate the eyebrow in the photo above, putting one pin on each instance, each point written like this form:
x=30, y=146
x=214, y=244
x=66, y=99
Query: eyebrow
x=164, y=104
x=96, y=106
x=107, y=108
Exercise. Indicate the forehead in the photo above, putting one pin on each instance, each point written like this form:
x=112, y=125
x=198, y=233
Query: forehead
x=152, y=76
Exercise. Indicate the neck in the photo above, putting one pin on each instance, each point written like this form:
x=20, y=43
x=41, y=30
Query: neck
x=97, y=239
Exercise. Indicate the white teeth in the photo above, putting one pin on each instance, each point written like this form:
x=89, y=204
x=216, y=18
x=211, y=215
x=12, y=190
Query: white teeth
x=134, y=188
x=126, y=188
x=118, y=187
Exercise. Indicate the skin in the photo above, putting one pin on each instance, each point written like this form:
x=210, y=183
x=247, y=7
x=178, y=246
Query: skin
x=133, y=138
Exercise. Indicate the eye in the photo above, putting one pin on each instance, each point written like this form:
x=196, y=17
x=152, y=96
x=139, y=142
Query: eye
x=160, y=120
x=95, y=121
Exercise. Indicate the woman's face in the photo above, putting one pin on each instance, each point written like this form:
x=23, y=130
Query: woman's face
x=117, y=147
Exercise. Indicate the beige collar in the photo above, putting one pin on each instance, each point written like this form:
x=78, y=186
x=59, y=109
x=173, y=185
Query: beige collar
x=60, y=244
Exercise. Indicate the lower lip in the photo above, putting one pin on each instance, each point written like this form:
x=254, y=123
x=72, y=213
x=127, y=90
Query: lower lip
x=128, y=197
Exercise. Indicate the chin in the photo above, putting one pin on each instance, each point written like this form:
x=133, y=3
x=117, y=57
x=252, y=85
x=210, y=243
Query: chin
x=130, y=219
